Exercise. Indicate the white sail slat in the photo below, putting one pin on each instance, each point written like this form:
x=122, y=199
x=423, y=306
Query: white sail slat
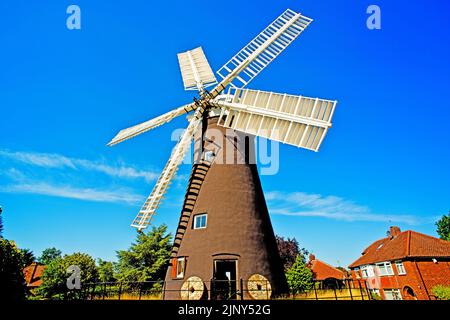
x=290, y=119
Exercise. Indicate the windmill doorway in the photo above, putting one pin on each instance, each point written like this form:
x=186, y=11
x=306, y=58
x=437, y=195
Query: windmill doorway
x=224, y=283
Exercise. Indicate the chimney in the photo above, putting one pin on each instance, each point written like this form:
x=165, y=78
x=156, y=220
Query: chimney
x=312, y=257
x=394, y=231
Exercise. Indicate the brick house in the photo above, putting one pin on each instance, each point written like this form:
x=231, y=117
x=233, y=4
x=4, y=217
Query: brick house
x=405, y=265
x=33, y=274
x=330, y=276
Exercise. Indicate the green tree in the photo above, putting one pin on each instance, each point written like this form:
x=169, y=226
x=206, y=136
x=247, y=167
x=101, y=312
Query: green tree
x=105, y=271
x=48, y=255
x=147, y=259
x=299, y=277
x=12, y=282
x=443, y=227
x=54, y=278
x=27, y=257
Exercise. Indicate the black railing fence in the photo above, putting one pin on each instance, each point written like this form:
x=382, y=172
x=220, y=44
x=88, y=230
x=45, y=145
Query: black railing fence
x=346, y=289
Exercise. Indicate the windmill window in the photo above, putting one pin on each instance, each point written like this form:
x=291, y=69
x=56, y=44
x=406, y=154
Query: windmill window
x=200, y=221
x=181, y=262
x=208, y=156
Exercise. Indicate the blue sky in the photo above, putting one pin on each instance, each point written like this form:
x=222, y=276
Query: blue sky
x=65, y=93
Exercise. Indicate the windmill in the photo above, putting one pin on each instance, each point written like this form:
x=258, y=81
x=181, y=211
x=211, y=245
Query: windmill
x=225, y=244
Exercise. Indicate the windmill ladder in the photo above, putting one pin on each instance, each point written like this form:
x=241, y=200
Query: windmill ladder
x=196, y=179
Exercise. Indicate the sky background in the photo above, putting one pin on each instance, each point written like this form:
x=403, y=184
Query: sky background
x=65, y=93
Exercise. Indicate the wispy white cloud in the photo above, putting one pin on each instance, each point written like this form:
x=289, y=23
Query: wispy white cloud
x=66, y=191
x=13, y=174
x=58, y=161
x=117, y=171
x=39, y=159
x=330, y=207
x=68, y=177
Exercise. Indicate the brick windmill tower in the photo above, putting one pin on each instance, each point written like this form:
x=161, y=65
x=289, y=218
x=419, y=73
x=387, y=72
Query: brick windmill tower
x=224, y=246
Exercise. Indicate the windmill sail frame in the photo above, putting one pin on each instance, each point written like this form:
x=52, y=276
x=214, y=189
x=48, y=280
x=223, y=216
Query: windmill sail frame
x=153, y=201
x=265, y=47
x=296, y=120
x=195, y=70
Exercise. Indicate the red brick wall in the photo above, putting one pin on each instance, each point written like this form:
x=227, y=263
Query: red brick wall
x=434, y=273
x=411, y=279
x=422, y=276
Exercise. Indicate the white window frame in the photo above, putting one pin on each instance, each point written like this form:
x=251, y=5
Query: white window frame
x=390, y=270
x=371, y=270
x=180, y=273
x=394, y=294
x=367, y=271
x=199, y=216
x=385, y=269
x=208, y=156
x=400, y=267
x=364, y=272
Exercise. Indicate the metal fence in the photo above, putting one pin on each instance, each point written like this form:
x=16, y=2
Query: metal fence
x=347, y=289
x=333, y=289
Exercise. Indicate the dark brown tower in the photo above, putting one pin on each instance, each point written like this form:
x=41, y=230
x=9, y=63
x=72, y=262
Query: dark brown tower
x=224, y=232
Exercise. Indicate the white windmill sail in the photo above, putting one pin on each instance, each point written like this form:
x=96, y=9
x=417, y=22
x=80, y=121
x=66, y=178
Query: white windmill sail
x=264, y=48
x=195, y=70
x=295, y=120
x=133, y=131
x=147, y=211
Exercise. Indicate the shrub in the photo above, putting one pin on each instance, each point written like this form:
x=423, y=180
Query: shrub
x=441, y=292
x=299, y=277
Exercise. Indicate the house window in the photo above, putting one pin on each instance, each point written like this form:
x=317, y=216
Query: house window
x=367, y=271
x=389, y=269
x=181, y=262
x=400, y=267
x=200, y=221
x=364, y=272
x=357, y=274
x=392, y=294
x=385, y=269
